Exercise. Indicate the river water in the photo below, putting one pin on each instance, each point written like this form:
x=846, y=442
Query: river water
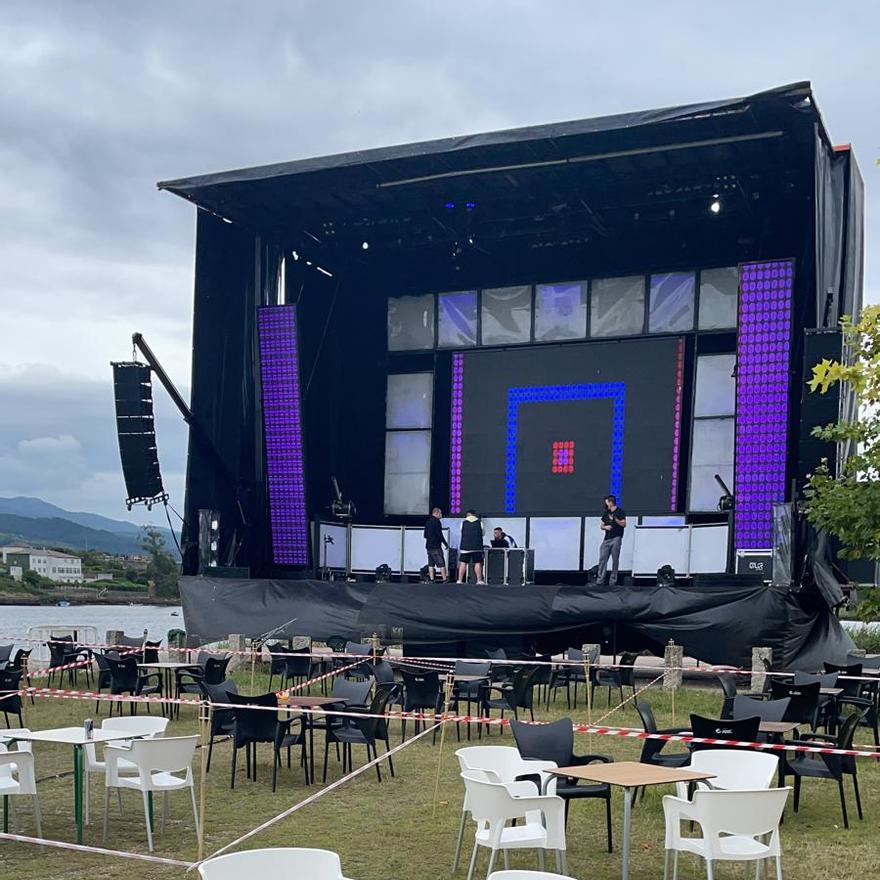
x=132, y=619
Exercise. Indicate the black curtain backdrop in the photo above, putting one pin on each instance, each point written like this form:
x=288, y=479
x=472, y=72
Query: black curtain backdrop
x=717, y=625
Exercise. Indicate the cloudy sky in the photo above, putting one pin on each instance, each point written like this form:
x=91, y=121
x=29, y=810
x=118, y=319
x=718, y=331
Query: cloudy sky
x=99, y=100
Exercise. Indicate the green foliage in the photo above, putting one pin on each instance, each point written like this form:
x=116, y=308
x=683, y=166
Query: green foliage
x=867, y=637
x=848, y=504
x=36, y=581
x=162, y=568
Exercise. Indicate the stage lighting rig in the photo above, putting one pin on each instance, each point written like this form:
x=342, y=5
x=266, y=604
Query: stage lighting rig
x=339, y=507
x=725, y=502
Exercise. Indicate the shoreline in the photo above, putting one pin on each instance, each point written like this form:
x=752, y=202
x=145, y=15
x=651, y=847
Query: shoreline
x=48, y=601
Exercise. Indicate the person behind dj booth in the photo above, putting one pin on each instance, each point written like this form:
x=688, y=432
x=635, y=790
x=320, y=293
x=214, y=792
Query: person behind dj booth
x=470, y=547
x=501, y=539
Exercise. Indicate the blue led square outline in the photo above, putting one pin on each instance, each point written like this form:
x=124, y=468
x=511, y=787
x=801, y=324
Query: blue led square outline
x=616, y=391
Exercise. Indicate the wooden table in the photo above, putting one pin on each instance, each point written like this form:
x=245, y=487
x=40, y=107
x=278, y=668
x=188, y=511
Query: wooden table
x=831, y=692
x=76, y=737
x=777, y=728
x=630, y=776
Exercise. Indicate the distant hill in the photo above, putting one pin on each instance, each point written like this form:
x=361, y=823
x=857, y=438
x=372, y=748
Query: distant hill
x=75, y=529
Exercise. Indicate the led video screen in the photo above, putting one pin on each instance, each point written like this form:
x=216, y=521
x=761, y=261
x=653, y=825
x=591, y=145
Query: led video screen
x=551, y=430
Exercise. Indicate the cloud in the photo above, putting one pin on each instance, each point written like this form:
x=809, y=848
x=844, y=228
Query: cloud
x=42, y=446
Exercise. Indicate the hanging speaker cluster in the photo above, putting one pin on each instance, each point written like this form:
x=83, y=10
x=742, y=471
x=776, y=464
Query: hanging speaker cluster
x=133, y=390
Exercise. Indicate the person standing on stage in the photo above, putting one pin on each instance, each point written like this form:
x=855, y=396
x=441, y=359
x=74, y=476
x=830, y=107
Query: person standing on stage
x=470, y=547
x=434, y=544
x=613, y=524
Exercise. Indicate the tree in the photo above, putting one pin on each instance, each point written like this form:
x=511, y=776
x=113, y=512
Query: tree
x=847, y=503
x=162, y=568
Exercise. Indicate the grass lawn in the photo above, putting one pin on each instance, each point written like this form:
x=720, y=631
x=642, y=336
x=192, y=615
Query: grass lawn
x=388, y=831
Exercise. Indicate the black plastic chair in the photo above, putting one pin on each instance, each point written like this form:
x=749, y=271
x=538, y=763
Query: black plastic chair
x=297, y=667
x=251, y=726
x=513, y=697
x=727, y=680
x=277, y=662
x=765, y=710
x=18, y=662
x=222, y=719
x=287, y=738
x=652, y=748
x=810, y=766
x=421, y=691
x=615, y=678
x=857, y=696
x=804, y=700
x=742, y=730
x=104, y=679
x=336, y=643
x=384, y=678
x=10, y=682
x=501, y=670
x=125, y=678
x=5, y=653
x=362, y=670
x=366, y=731
x=469, y=692
x=63, y=650
x=555, y=742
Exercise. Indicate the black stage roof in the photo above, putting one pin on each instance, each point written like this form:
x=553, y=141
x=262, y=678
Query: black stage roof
x=543, y=185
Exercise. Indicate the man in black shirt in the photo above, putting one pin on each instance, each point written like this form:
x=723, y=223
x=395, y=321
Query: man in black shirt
x=613, y=524
x=499, y=539
x=434, y=544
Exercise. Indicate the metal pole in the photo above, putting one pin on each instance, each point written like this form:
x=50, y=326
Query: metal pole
x=447, y=694
x=627, y=816
x=205, y=713
x=254, y=663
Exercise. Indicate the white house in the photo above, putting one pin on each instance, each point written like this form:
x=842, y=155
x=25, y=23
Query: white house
x=52, y=564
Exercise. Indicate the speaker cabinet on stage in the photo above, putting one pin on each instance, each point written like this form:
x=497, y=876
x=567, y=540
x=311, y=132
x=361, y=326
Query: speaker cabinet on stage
x=510, y=566
x=818, y=409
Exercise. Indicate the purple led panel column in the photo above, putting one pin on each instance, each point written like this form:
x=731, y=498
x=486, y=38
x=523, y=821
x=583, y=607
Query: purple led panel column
x=676, y=436
x=282, y=425
x=455, y=438
x=763, y=352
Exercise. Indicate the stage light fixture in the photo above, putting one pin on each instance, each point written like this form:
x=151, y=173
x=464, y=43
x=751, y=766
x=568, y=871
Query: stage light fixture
x=666, y=576
x=295, y=256
x=715, y=205
x=450, y=206
x=470, y=205
x=383, y=573
x=365, y=245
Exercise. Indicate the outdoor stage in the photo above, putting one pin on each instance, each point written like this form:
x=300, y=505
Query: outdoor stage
x=522, y=322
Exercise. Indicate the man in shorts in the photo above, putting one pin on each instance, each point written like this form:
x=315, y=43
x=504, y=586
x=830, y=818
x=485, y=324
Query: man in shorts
x=434, y=544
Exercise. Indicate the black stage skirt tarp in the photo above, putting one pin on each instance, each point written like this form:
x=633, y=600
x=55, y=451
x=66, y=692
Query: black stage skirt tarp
x=718, y=624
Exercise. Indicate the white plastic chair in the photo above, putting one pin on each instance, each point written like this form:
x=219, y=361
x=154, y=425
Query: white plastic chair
x=313, y=864
x=733, y=769
x=491, y=804
x=733, y=825
x=155, y=761
x=500, y=764
x=147, y=726
x=526, y=875
x=18, y=777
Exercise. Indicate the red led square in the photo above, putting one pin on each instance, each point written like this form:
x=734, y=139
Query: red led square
x=563, y=457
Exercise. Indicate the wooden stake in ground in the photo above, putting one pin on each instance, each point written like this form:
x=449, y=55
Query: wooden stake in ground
x=254, y=662
x=447, y=696
x=205, y=713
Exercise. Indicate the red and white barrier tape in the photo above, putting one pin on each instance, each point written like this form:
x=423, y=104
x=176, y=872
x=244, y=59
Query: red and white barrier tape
x=78, y=847
x=435, y=717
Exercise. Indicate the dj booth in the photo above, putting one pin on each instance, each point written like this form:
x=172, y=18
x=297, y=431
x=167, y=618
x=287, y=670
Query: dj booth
x=504, y=566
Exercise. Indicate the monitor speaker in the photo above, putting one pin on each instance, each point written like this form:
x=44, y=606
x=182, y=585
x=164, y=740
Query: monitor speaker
x=135, y=428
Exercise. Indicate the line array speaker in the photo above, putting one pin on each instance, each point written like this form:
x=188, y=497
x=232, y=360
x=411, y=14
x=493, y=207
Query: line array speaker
x=133, y=391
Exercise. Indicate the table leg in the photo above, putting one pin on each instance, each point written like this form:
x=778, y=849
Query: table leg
x=6, y=814
x=78, y=791
x=627, y=820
